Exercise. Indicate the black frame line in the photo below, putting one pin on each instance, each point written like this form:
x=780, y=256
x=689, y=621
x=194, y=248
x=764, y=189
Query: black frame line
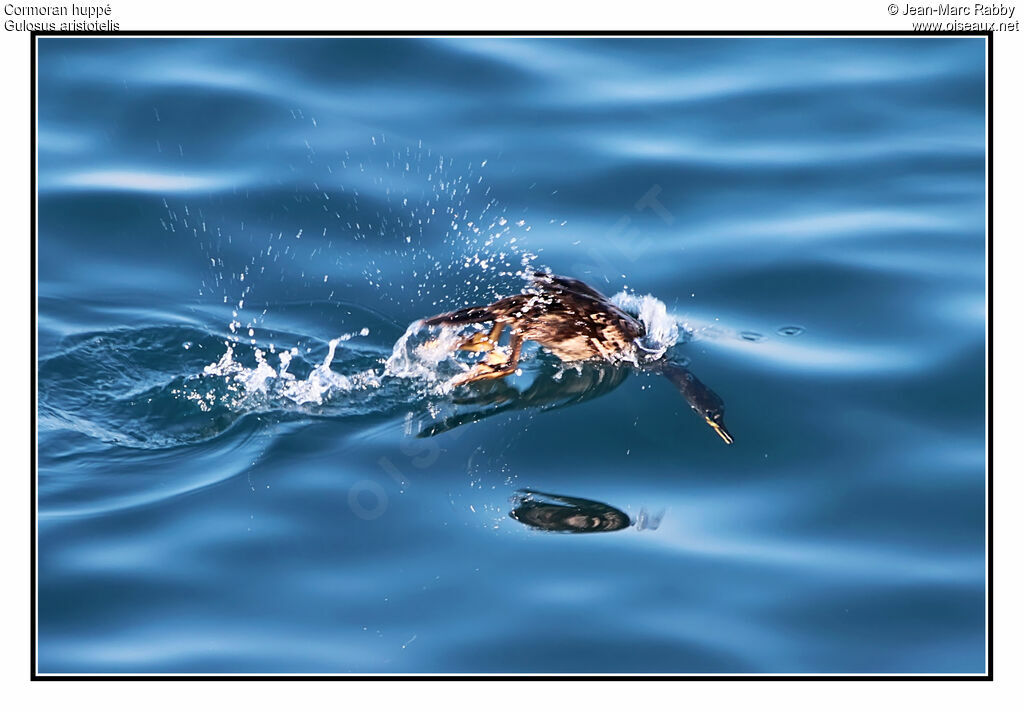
x=34, y=675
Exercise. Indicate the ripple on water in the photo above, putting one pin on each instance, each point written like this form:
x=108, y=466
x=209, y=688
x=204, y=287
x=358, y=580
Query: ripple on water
x=161, y=387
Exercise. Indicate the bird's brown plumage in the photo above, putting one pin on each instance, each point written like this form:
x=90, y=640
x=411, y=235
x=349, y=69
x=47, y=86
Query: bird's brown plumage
x=575, y=322
x=567, y=317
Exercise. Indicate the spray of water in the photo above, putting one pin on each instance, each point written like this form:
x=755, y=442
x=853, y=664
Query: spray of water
x=430, y=236
x=661, y=329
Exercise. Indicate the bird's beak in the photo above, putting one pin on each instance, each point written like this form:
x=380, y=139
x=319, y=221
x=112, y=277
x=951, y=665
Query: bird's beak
x=720, y=429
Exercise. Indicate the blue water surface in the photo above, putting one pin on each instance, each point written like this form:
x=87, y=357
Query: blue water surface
x=810, y=210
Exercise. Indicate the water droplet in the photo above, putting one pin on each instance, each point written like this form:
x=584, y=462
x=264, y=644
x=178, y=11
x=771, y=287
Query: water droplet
x=790, y=330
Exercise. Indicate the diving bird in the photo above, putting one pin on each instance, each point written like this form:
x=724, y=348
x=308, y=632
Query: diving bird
x=575, y=322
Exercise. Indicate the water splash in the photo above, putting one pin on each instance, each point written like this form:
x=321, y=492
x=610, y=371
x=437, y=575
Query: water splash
x=262, y=384
x=423, y=228
x=416, y=356
x=661, y=328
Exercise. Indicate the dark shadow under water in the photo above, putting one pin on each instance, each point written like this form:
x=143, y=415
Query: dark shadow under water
x=561, y=513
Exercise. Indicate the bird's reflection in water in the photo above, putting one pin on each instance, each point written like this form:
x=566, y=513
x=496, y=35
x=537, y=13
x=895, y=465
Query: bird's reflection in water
x=556, y=386
x=558, y=513
x=553, y=387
